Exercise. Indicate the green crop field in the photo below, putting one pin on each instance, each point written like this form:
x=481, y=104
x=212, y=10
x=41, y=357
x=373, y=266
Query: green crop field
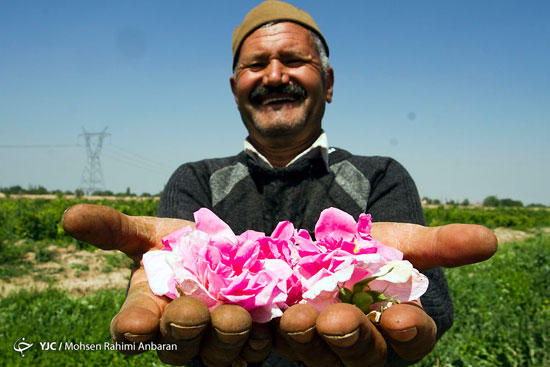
x=502, y=310
x=502, y=306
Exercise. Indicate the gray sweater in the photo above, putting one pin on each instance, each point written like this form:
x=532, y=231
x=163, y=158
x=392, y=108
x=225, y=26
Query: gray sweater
x=248, y=195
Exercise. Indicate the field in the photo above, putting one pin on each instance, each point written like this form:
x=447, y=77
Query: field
x=54, y=289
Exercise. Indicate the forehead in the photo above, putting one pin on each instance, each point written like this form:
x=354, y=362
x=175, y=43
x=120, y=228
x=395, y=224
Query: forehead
x=279, y=37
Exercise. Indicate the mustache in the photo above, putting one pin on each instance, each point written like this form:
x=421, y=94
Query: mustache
x=294, y=90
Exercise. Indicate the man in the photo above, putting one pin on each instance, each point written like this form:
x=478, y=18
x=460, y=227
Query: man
x=281, y=83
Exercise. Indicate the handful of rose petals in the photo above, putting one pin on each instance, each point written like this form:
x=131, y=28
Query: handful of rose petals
x=267, y=274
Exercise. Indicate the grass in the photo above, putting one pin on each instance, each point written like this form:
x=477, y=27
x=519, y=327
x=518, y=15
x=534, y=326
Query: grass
x=502, y=310
x=116, y=260
x=80, y=267
x=55, y=316
x=13, y=256
x=502, y=317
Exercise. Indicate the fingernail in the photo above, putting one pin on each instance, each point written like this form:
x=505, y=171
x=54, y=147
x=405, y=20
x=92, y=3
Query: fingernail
x=239, y=362
x=230, y=337
x=137, y=338
x=403, y=335
x=303, y=336
x=258, y=344
x=186, y=332
x=343, y=341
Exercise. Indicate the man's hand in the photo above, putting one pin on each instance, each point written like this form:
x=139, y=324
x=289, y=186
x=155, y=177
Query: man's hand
x=340, y=333
x=343, y=333
x=219, y=337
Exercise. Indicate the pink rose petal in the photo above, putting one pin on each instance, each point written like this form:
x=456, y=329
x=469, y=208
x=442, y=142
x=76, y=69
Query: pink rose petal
x=336, y=224
x=208, y=222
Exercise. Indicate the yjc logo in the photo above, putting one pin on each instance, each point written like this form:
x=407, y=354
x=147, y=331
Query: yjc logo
x=48, y=345
x=20, y=346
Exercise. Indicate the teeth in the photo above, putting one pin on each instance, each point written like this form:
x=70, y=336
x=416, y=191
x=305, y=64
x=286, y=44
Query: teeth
x=279, y=99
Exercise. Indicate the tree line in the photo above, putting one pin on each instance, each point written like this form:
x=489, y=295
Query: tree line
x=489, y=201
x=41, y=190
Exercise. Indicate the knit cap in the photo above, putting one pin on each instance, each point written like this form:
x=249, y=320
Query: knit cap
x=272, y=11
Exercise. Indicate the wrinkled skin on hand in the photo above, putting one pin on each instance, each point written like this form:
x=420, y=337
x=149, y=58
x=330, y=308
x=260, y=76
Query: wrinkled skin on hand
x=341, y=333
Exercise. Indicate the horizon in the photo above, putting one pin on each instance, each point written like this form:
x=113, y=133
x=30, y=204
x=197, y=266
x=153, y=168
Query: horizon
x=457, y=92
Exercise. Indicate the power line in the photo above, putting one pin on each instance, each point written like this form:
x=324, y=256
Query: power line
x=137, y=164
x=134, y=159
x=141, y=158
x=39, y=145
x=92, y=176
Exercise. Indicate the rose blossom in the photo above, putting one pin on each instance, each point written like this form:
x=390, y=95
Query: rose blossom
x=346, y=253
x=214, y=265
x=267, y=274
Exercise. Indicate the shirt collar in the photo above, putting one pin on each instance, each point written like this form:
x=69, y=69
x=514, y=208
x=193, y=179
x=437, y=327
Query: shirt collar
x=319, y=148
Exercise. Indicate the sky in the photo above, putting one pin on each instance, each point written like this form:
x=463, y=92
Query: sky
x=457, y=91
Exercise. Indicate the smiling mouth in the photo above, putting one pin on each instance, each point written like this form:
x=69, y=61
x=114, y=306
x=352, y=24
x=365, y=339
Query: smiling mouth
x=279, y=96
x=269, y=101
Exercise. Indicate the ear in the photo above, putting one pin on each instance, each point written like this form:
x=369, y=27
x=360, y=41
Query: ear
x=233, y=85
x=329, y=83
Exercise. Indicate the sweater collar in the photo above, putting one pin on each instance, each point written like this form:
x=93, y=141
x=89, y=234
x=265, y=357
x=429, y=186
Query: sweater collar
x=319, y=149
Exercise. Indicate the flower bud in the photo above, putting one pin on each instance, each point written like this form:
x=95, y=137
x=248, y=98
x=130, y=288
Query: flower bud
x=362, y=300
x=345, y=295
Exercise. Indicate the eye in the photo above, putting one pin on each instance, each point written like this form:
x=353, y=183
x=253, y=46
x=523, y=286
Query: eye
x=255, y=66
x=294, y=63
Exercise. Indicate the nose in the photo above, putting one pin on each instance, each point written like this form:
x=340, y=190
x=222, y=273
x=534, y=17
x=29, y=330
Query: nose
x=275, y=74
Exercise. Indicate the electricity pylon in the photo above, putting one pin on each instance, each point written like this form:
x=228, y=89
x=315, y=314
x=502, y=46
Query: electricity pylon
x=92, y=176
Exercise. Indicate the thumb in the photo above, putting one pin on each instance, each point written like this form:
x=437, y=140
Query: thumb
x=428, y=247
x=109, y=229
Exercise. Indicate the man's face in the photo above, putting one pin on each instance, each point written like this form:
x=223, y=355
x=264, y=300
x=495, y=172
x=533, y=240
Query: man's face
x=278, y=84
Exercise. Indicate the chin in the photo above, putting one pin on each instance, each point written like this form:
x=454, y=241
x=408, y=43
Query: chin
x=280, y=129
x=279, y=123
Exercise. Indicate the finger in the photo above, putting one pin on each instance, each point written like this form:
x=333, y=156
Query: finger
x=428, y=247
x=281, y=344
x=259, y=343
x=109, y=229
x=183, y=323
x=351, y=335
x=229, y=332
x=409, y=330
x=298, y=325
x=138, y=318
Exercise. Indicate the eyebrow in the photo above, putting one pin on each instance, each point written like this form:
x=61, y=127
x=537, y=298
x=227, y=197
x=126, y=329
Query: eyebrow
x=260, y=55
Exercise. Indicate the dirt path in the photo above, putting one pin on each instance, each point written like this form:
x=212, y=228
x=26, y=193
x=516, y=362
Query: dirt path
x=79, y=272
x=505, y=235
